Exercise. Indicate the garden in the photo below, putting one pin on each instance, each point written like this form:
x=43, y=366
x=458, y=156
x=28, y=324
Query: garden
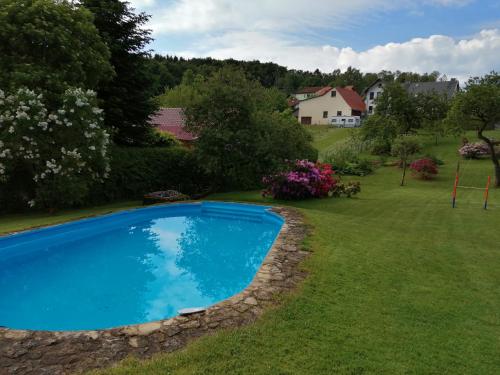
x=396, y=281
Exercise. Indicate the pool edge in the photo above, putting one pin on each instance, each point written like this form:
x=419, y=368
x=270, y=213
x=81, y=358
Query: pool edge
x=60, y=352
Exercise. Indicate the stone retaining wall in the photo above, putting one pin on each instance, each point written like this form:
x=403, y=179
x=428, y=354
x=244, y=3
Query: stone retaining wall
x=41, y=352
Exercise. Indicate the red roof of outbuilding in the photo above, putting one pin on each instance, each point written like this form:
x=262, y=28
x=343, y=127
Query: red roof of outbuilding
x=352, y=98
x=324, y=90
x=172, y=120
x=309, y=90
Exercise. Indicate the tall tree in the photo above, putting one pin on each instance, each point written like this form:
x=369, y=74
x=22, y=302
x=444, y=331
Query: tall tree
x=242, y=135
x=395, y=102
x=479, y=106
x=432, y=110
x=49, y=46
x=127, y=99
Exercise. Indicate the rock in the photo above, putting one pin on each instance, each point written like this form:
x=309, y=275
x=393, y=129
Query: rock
x=191, y=324
x=147, y=328
x=251, y=301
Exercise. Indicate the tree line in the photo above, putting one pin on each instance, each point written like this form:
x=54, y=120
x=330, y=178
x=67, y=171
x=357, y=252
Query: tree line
x=169, y=72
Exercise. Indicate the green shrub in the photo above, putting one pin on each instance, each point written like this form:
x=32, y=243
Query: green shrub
x=348, y=189
x=434, y=158
x=345, y=160
x=136, y=171
x=157, y=138
x=381, y=147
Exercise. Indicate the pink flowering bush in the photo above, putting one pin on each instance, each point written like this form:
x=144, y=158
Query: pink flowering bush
x=474, y=150
x=426, y=169
x=302, y=180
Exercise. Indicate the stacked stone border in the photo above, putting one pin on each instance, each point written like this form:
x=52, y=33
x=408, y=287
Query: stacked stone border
x=41, y=352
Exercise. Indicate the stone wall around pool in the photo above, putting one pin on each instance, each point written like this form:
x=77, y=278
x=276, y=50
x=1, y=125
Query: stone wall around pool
x=42, y=352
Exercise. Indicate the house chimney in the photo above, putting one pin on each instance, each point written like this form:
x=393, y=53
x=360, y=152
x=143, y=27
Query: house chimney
x=350, y=88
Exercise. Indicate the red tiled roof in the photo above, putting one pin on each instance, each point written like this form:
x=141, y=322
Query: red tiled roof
x=324, y=90
x=352, y=98
x=309, y=90
x=171, y=120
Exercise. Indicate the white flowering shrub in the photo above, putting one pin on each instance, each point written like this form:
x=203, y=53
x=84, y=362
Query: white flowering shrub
x=64, y=152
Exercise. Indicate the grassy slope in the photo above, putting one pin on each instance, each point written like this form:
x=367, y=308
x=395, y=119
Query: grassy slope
x=399, y=283
x=326, y=136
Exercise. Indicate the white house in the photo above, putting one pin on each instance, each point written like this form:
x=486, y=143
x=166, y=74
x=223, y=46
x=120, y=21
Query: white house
x=340, y=106
x=371, y=93
x=445, y=88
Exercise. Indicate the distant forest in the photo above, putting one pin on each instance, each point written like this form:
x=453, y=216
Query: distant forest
x=169, y=70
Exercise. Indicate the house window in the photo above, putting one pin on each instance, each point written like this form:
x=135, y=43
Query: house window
x=334, y=120
x=325, y=114
x=350, y=120
x=372, y=95
x=334, y=94
x=339, y=113
x=370, y=109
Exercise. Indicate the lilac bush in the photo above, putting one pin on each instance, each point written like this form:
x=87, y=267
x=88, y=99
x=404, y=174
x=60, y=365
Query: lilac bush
x=64, y=151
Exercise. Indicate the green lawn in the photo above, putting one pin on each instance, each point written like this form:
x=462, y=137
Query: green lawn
x=399, y=283
x=326, y=136
x=17, y=222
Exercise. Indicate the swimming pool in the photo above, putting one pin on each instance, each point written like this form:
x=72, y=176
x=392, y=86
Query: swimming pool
x=132, y=267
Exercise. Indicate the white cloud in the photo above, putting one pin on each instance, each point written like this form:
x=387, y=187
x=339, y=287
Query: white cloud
x=457, y=58
x=291, y=33
x=216, y=15
x=141, y=4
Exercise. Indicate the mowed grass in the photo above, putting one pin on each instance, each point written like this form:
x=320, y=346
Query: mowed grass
x=325, y=136
x=17, y=222
x=399, y=283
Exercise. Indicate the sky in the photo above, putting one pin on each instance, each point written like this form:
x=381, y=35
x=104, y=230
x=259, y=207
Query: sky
x=459, y=38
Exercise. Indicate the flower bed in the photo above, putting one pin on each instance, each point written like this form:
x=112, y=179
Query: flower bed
x=304, y=179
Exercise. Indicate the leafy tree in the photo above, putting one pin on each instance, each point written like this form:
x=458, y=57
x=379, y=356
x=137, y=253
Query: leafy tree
x=183, y=95
x=404, y=148
x=493, y=78
x=395, y=102
x=239, y=138
x=127, y=98
x=479, y=106
x=432, y=110
x=351, y=77
x=50, y=46
x=401, y=77
x=380, y=127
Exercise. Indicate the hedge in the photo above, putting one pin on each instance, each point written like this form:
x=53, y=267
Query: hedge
x=136, y=171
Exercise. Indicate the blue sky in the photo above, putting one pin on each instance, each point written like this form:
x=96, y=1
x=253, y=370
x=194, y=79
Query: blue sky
x=456, y=37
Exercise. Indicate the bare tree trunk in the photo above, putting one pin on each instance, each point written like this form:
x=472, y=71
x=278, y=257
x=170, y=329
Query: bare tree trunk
x=404, y=173
x=494, y=156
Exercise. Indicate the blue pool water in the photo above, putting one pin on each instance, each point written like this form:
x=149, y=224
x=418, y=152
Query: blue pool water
x=131, y=267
